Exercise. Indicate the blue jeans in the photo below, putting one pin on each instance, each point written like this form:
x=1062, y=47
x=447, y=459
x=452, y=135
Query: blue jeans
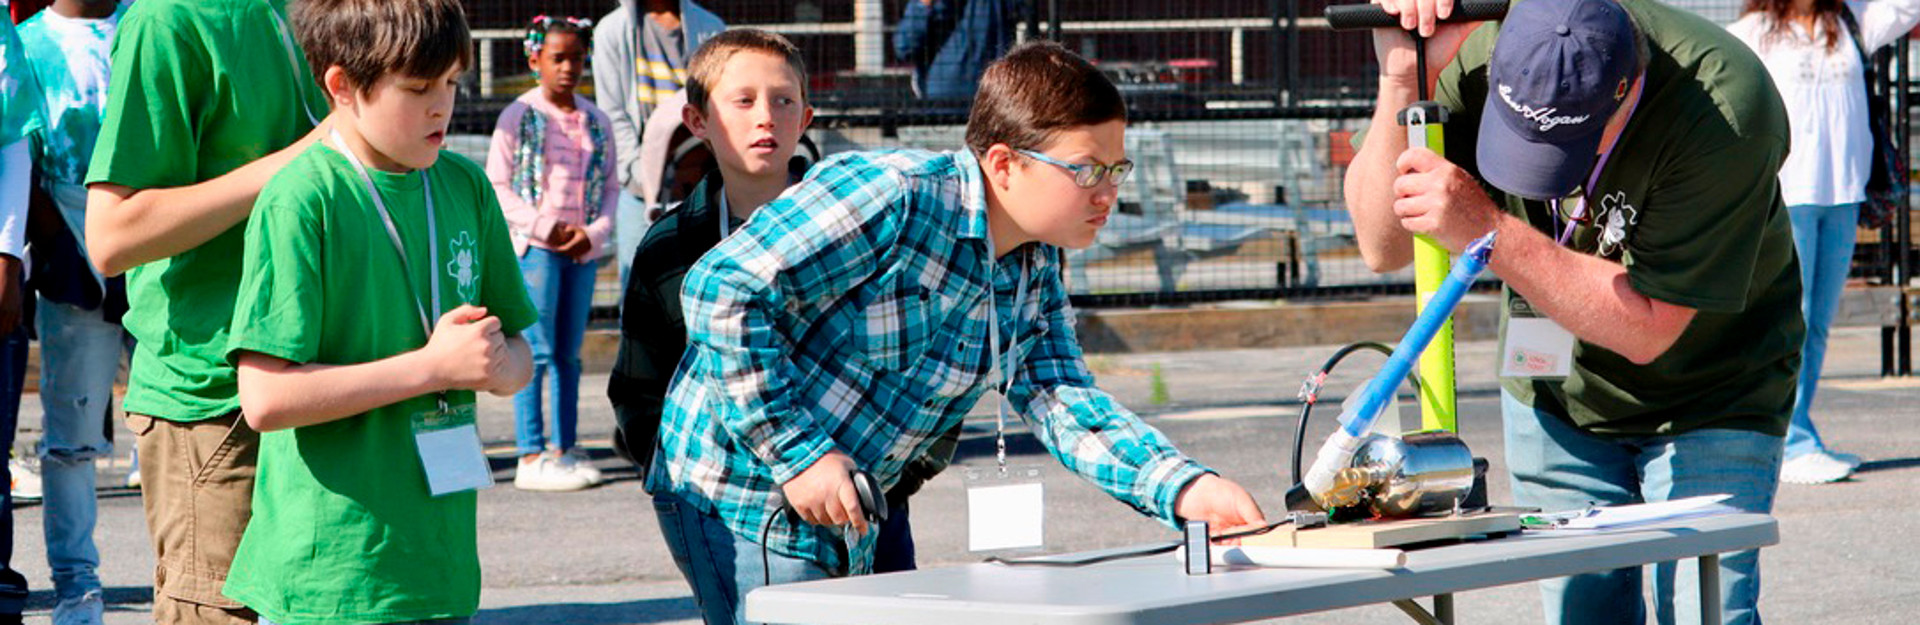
x=722, y=567
x=562, y=292
x=1557, y=467
x=630, y=225
x=13, y=375
x=893, y=550
x=80, y=353
x=1824, y=237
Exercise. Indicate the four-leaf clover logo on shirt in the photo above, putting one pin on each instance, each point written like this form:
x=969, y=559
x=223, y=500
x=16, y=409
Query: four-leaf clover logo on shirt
x=1616, y=215
x=464, y=268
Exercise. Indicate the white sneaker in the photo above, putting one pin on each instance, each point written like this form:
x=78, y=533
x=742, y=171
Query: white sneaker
x=87, y=609
x=576, y=460
x=26, y=479
x=1814, y=468
x=133, y=479
x=543, y=472
x=1852, y=460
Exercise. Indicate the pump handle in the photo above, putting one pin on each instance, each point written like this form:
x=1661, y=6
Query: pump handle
x=1353, y=16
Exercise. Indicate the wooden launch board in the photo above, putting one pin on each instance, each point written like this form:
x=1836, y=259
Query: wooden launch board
x=1390, y=533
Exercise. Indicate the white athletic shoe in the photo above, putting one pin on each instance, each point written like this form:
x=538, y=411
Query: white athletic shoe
x=1814, y=468
x=87, y=609
x=26, y=480
x=1852, y=460
x=575, y=460
x=545, y=472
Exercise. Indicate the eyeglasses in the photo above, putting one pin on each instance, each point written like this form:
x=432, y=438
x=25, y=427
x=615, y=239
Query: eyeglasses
x=1086, y=175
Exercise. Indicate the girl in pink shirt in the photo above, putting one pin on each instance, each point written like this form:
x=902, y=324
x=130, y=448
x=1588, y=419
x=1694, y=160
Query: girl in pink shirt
x=553, y=167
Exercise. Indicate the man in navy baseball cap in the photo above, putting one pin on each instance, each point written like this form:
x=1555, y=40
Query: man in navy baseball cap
x=1627, y=153
x=1560, y=71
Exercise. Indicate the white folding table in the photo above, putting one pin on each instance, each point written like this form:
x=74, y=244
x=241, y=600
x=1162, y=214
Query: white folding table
x=1155, y=590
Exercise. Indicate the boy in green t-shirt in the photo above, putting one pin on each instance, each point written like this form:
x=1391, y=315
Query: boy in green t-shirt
x=208, y=99
x=364, y=508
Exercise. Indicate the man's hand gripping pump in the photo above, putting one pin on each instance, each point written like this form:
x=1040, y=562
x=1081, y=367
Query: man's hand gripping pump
x=1430, y=471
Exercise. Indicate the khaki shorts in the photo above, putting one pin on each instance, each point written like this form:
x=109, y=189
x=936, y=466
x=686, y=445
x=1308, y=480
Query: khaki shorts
x=197, y=486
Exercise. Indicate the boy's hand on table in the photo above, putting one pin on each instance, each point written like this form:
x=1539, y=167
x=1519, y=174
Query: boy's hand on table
x=824, y=494
x=1218, y=501
x=467, y=349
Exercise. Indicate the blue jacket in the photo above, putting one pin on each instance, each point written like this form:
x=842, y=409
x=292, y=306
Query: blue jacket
x=950, y=42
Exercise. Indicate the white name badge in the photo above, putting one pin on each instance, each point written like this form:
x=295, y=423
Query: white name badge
x=1005, y=510
x=1536, y=347
x=449, y=445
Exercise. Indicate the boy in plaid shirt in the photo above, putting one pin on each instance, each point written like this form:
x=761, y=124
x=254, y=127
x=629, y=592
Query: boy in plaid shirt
x=846, y=326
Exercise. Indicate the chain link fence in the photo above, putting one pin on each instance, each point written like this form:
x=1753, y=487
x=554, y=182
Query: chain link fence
x=1242, y=112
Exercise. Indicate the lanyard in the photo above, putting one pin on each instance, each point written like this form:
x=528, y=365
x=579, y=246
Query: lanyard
x=1008, y=362
x=393, y=234
x=1580, y=209
x=293, y=59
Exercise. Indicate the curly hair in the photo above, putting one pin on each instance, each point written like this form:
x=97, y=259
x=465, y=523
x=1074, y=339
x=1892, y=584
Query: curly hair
x=544, y=25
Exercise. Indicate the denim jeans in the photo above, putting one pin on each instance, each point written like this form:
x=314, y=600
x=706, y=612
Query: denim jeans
x=562, y=292
x=1824, y=236
x=80, y=353
x=722, y=567
x=630, y=225
x=13, y=375
x=1557, y=467
x=893, y=550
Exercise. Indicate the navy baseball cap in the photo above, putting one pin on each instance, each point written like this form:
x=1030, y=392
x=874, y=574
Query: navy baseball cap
x=1559, y=70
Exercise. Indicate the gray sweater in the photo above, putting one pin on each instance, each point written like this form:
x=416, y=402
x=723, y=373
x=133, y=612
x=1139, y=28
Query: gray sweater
x=617, y=46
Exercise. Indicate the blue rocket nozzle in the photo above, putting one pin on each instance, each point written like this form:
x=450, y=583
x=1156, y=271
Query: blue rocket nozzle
x=1472, y=261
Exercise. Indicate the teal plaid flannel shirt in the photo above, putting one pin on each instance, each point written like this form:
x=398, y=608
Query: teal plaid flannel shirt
x=850, y=314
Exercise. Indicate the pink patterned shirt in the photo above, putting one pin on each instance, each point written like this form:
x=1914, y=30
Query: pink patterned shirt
x=564, y=197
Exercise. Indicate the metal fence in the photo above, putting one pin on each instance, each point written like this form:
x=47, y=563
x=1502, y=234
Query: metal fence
x=1242, y=116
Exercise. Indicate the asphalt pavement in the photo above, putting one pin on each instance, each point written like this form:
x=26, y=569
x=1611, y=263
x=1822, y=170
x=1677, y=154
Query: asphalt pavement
x=1847, y=552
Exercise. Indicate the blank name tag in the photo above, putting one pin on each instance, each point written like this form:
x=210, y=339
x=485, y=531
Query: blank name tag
x=1005, y=511
x=1536, y=347
x=450, y=452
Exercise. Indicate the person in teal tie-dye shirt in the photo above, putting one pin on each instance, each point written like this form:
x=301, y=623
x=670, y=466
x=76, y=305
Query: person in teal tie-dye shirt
x=68, y=46
x=19, y=115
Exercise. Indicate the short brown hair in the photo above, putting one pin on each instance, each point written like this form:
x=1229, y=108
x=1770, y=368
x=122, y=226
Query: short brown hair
x=703, y=70
x=1035, y=91
x=368, y=39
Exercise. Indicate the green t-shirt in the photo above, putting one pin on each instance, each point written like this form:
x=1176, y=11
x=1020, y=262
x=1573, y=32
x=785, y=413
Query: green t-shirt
x=343, y=528
x=199, y=88
x=1692, y=201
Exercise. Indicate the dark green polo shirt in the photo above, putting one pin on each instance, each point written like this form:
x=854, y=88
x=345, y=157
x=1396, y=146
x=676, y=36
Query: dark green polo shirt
x=1693, y=204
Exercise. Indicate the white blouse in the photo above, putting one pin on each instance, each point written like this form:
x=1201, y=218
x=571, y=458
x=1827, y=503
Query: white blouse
x=1826, y=103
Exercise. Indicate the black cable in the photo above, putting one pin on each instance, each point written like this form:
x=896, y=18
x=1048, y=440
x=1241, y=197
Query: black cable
x=1106, y=557
x=1148, y=550
x=766, y=560
x=1310, y=394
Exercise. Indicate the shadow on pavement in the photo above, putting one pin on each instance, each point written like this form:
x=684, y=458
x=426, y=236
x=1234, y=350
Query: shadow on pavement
x=119, y=599
x=1887, y=465
x=658, y=610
